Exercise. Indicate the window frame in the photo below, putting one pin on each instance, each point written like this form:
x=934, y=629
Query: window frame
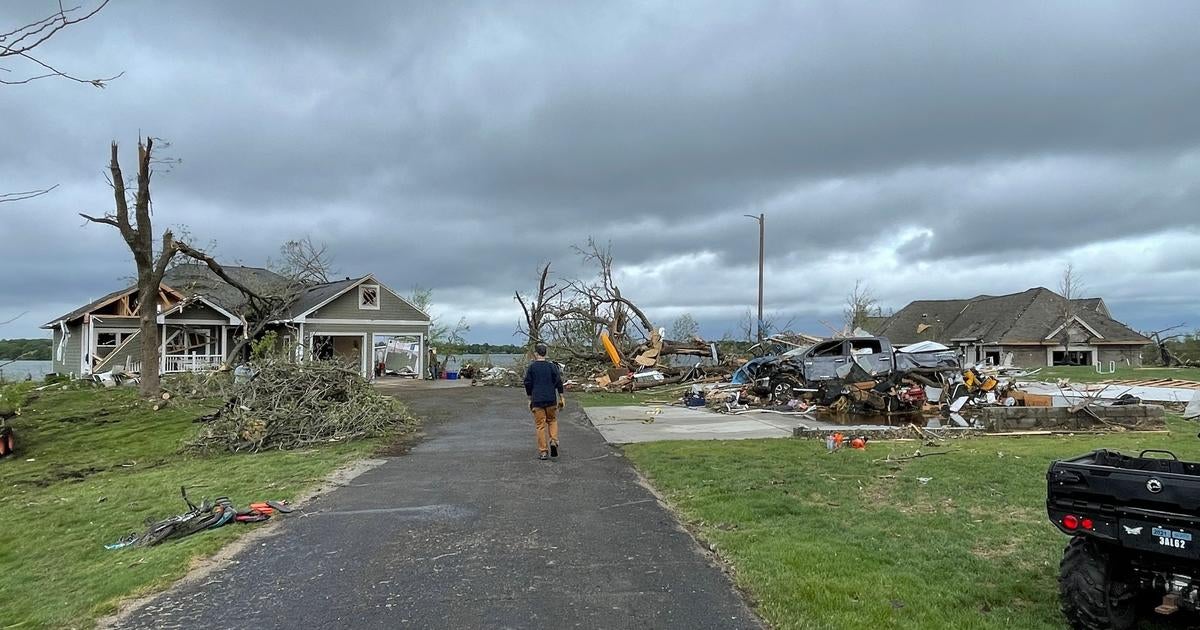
x=378, y=297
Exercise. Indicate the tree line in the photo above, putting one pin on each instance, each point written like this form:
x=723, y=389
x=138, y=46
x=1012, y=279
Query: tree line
x=25, y=349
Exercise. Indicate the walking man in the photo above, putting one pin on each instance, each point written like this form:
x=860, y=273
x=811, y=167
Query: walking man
x=544, y=386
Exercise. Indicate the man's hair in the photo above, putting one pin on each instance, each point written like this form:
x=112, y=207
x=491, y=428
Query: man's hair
x=541, y=349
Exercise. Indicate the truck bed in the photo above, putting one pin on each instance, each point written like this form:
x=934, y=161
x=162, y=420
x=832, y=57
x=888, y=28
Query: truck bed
x=1137, y=502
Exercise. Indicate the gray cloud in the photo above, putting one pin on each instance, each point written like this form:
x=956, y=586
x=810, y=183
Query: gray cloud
x=458, y=146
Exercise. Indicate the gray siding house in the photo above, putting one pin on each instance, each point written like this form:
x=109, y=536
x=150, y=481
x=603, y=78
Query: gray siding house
x=1038, y=327
x=358, y=321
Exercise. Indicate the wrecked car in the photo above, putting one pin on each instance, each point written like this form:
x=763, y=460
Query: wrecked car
x=826, y=367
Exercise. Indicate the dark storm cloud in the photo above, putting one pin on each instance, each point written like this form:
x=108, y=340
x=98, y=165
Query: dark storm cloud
x=458, y=146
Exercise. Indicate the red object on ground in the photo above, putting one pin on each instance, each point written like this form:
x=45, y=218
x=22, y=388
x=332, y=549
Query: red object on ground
x=858, y=443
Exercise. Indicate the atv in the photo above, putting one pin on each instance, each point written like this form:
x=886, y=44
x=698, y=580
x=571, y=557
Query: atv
x=1134, y=524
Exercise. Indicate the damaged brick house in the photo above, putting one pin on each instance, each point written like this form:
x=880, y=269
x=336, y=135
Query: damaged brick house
x=357, y=321
x=1038, y=327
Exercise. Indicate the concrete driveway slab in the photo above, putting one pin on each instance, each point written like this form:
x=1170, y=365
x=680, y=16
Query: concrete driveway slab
x=627, y=425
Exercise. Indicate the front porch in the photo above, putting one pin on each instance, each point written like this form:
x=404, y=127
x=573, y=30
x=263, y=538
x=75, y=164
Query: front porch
x=193, y=348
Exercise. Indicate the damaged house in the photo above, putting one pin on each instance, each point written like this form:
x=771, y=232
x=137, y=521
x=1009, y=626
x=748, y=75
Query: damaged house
x=1037, y=327
x=357, y=321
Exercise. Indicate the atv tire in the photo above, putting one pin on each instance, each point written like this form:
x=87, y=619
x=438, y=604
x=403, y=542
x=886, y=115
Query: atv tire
x=1095, y=589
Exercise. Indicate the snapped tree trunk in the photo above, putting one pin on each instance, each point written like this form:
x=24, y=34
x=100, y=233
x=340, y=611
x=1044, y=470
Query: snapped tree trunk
x=148, y=287
x=138, y=233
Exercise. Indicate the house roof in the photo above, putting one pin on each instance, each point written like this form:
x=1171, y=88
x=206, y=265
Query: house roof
x=100, y=303
x=1026, y=317
x=318, y=294
x=190, y=280
x=196, y=279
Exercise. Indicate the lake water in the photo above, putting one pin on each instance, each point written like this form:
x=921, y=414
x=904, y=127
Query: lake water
x=19, y=370
x=498, y=360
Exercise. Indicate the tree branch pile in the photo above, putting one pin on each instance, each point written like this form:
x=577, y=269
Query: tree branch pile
x=288, y=405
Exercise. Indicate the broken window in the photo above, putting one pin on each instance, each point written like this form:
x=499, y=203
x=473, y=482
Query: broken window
x=866, y=346
x=1072, y=357
x=992, y=357
x=108, y=341
x=368, y=297
x=828, y=349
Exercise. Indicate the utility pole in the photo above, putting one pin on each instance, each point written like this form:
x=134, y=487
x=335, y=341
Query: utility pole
x=762, y=233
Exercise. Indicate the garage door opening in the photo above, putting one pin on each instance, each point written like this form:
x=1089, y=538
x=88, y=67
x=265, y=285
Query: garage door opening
x=398, y=355
x=345, y=350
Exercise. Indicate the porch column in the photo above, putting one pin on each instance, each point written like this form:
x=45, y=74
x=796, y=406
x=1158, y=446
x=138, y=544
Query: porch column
x=162, y=351
x=224, y=343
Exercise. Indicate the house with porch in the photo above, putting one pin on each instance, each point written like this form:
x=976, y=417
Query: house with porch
x=1037, y=327
x=358, y=321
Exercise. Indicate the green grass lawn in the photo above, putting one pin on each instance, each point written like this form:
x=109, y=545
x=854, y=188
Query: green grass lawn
x=91, y=466
x=619, y=399
x=843, y=541
x=1084, y=374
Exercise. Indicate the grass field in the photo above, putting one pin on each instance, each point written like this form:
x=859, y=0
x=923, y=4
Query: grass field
x=845, y=541
x=92, y=465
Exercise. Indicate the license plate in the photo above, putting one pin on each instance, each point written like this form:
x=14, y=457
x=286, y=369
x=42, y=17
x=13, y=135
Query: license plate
x=1175, y=541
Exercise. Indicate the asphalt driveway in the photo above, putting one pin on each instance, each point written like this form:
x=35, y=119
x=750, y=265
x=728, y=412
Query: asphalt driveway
x=470, y=530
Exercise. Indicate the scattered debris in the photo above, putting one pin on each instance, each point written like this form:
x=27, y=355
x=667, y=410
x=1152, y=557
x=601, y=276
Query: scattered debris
x=207, y=515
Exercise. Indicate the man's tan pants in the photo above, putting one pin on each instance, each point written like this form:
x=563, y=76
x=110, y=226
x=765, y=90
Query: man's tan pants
x=546, y=419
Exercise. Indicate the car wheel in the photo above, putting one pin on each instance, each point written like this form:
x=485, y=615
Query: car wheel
x=783, y=388
x=1096, y=591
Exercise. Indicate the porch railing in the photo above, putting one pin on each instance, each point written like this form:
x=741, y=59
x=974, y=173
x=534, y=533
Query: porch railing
x=191, y=362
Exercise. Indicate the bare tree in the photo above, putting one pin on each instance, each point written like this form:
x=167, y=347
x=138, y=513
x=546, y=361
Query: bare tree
x=685, y=328
x=138, y=233
x=1160, y=339
x=306, y=261
x=537, y=308
x=137, y=230
x=861, y=305
x=595, y=305
x=1071, y=287
x=19, y=44
x=25, y=194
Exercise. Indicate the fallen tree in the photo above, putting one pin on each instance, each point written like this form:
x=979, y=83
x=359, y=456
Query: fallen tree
x=288, y=405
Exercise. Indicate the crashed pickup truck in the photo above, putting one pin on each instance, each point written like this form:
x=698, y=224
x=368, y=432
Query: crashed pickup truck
x=853, y=359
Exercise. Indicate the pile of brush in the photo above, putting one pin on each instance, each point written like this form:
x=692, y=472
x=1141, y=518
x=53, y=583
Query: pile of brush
x=286, y=405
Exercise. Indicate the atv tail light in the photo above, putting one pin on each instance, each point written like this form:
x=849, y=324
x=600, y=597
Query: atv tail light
x=1072, y=522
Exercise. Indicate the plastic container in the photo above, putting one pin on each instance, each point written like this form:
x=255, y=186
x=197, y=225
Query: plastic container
x=451, y=376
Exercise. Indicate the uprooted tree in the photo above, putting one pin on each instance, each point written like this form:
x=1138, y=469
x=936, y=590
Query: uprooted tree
x=1168, y=347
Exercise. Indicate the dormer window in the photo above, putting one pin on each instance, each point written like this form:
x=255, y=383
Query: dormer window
x=368, y=297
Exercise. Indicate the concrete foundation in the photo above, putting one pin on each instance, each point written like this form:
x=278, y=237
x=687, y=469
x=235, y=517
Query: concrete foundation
x=999, y=419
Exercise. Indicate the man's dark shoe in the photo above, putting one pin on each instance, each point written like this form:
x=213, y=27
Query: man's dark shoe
x=554, y=449
x=543, y=456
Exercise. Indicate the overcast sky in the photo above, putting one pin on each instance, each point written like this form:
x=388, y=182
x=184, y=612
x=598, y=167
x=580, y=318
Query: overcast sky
x=930, y=149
